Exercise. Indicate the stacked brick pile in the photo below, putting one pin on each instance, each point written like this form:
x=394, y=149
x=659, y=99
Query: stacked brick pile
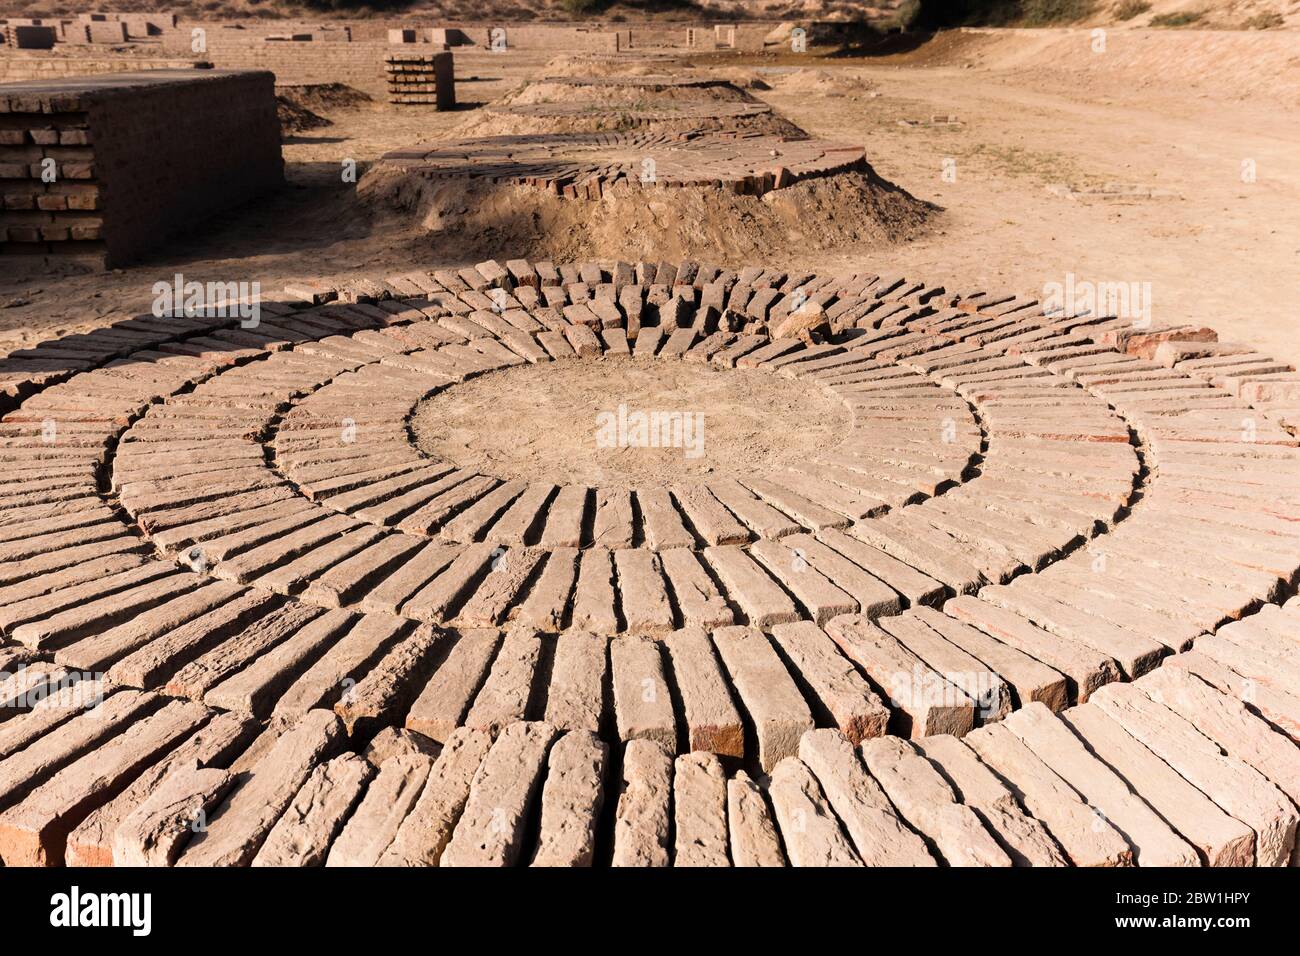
x=119, y=27
x=102, y=168
x=421, y=79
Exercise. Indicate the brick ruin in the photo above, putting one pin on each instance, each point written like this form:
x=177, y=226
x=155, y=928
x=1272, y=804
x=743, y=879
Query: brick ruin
x=701, y=673
x=598, y=160
x=720, y=117
x=350, y=52
x=1041, y=565
x=590, y=166
x=102, y=169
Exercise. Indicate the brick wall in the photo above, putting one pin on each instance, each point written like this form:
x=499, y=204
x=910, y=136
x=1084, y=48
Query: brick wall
x=749, y=36
x=577, y=36
x=10, y=25
x=352, y=52
x=137, y=156
x=359, y=64
x=33, y=37
x=17, y=69
x=137, y=25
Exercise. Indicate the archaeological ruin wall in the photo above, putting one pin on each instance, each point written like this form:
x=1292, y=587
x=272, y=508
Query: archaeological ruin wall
x=101, y=169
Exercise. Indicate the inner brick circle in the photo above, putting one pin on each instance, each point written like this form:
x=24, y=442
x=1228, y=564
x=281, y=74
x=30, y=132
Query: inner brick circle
x=581, y=423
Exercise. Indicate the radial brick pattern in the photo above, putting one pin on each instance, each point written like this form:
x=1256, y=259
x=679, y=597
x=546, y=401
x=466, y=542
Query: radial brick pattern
x=1033, y=608
x=622, y=60
x=586, y=164
x=735, y=118
x=609, y=91
x=643, y=113
x=653, y=83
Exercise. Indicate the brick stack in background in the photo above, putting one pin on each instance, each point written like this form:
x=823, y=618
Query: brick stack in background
x=148, y=24
x=99, y=28
x=407, y=35
x=103, y=31
x=421, y=79
x=136, y=157
x=30, y=36
x=10, y=27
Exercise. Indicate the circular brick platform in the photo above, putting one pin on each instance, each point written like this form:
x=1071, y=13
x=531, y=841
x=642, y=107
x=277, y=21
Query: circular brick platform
x=605, y=91
x=1035, y=607
x=648, y=82
x=645, y=84
x=629, y=424
x=626, y=60
x=585, y=165
x=670, y=116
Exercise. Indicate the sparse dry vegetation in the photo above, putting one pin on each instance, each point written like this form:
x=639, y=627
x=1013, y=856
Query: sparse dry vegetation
x=1131, y=8
x=938, y=14
x=1264, y=21
x=1181, y=18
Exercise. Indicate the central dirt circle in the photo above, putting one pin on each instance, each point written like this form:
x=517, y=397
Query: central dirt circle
x=580, y=422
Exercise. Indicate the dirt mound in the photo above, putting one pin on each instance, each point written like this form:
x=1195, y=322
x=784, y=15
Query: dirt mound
x=323, y=97
x=818, y=82
x=300, y=105
x=295, y=118
x=743, y=77
x=478, y=217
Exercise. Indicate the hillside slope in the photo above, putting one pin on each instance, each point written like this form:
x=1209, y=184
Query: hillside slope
x=933, y=14
x=480, y=10
x=1172, y=14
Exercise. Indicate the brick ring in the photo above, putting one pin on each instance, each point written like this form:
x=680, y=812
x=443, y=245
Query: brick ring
x=719, y=117
x=1130, y=494
x=588, y=164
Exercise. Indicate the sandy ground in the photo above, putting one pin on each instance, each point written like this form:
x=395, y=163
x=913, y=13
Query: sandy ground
x=1222, y=251
x=618, y=425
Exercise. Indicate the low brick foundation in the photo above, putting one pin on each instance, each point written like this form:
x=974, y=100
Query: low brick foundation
x=19, y=69
x=103, y=168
